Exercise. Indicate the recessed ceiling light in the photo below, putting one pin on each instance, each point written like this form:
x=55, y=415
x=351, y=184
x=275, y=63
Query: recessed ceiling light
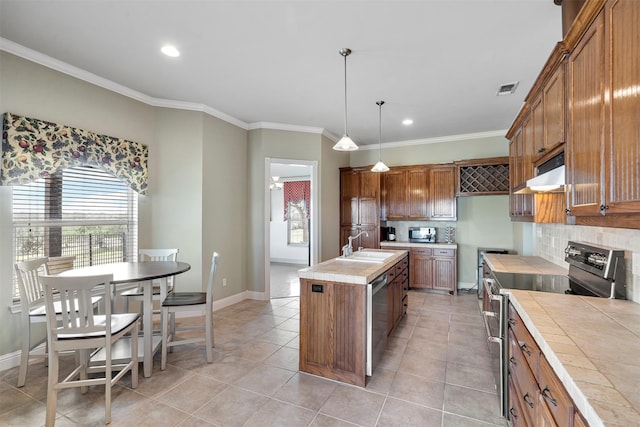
x=170, y=51
x=407, y=122
x=507, y=89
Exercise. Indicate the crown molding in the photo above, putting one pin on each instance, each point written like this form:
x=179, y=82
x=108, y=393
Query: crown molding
x=449, y=138
x=49, y=62
x=63, y=67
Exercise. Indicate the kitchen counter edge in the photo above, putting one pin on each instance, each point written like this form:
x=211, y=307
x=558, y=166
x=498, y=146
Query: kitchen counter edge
x=418, y=245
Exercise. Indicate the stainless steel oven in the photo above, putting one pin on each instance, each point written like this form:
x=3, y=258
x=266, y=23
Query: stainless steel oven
x=494, y=308
x=376, y=321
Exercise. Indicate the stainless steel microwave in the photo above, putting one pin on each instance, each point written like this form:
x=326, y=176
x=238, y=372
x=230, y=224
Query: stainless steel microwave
x=422, y=234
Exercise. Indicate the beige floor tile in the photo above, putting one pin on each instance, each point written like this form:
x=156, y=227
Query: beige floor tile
x=285, y=357
x=322, y=420
x=418, y=390
x=277, y=414
x=471, y=403
x=192, y=394
x=306, y=390
x=232, y=407
x=398, y=413
x=265, y=379
x=354, y=404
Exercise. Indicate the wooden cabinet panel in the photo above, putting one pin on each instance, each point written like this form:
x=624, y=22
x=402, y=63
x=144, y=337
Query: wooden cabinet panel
x=622, y=142
x=360, y=207
x=442, y=194
x=537, y=128
x=421, y=270
x=369, y=184
x=418, y=195
x=554, y=110
x=554, y=395
x=332, y=330
x=586, y=121
x=444, y=273
x=431, y=271
x=395, y=189
x=516, y=411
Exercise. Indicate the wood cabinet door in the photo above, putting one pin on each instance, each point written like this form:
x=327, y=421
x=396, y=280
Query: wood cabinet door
x=622, y=146
x=418, y=194
x=554, y=110
x=420, y=271
x=526, y=164
x=395, y=188
x=586, y=122
x=444, y=274
x=349, y=184
x=442, y=193
x=369, y=184
x=537, y=127
x=371, y=240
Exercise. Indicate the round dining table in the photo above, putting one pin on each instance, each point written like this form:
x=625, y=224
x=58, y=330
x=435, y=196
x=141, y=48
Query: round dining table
x=141, y=273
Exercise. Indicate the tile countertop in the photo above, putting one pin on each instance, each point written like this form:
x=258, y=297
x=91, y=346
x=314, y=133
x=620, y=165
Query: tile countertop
x=335, y=270
x=418, y=245
x=592, y=344
x=523, y=264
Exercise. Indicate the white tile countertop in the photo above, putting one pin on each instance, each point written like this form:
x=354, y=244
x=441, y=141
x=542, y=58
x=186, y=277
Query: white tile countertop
x=523, y=264
x=386, y=243
x=593, y=345
x=335, y=270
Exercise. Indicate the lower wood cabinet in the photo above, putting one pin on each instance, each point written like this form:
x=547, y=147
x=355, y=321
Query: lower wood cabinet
x=398, y=282
x=434, y=268
x=537, y=398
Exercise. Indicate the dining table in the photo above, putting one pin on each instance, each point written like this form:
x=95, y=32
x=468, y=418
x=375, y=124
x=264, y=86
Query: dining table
x=143, y=274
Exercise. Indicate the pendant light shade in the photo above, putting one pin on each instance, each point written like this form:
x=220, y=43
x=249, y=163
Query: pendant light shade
x=380, y=166
x=345, y=143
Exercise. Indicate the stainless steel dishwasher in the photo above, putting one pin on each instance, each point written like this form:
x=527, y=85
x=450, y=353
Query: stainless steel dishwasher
x=376, y=321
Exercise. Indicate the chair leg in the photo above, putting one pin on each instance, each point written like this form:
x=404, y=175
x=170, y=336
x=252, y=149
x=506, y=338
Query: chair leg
x=52, y=391
x=208, y=330
x=165, y=337
x=107, y=384
x=134, y=355
x=84, y=364
x=24, y=356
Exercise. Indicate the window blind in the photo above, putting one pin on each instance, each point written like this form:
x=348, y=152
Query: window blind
x=81, y=211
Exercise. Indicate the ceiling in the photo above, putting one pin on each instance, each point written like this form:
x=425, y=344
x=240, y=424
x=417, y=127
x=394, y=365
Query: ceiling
x=276, y=63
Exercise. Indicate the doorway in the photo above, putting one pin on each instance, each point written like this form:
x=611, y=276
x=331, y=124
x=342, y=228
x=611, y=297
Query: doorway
x=291, y=233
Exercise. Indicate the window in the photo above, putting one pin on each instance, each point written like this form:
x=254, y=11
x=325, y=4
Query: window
x=80, y=211
x=297, y=223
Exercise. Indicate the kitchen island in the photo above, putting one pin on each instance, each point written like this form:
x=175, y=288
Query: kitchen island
x=348, y=306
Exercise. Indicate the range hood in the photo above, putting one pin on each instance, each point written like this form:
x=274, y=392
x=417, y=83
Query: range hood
x=550, y=177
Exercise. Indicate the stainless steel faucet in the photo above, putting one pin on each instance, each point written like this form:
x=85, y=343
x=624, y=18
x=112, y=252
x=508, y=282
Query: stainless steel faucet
x=347, y=250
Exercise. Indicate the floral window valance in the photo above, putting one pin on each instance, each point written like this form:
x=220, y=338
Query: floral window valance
x=33, y=148
x=297, y=191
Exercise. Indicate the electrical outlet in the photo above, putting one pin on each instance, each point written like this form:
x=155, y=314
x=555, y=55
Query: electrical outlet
x=224, y=281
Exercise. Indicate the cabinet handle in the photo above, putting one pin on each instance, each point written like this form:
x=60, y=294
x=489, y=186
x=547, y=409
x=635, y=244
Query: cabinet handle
x=546, y=393
x=512, y=322
x=603, y=208
x=513, y=413
x=541, y=150
x=525, y=349
x=527, y=399
x=567, y=211
x=513, y=361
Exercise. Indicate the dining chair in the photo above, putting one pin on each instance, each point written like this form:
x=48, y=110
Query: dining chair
x=32, y=310
x=58, y=264
x=77, y=328
x=137, y=293
x=189, y=301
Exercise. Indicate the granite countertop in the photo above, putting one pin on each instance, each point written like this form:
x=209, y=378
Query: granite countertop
x=405, y=244
x=337, y=270
x=523, y=264
x=592, y=344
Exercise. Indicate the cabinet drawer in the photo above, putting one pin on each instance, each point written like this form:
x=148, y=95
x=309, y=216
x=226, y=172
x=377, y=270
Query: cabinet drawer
x=444, y=252
x=523, y=339
x=555, y=395
x=523, y=394
x=422, y=251
x=516, y=411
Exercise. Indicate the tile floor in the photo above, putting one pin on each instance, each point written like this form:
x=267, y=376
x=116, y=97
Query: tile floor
x=285, y=281
x=435, y=373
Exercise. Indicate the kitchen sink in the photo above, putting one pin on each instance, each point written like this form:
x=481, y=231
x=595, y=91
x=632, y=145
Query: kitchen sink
x=367, y=256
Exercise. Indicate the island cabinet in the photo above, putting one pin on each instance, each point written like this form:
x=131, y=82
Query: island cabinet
x=398, y=284
x=536, y=395
x=433, y=268
x=333, y=320
x=604, y=132
x=360, y=207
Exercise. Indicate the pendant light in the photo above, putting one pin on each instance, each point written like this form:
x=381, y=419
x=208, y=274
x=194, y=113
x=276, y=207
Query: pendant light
x=345, y=143
x=380, y=167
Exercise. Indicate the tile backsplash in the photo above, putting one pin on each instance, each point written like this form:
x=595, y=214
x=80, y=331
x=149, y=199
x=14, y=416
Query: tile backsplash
x=551, y=239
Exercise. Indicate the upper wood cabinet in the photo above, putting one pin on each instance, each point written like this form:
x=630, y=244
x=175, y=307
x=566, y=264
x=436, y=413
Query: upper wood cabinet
x=442, y=192
x=554, y=101
x=425, y=192
x=603, y=159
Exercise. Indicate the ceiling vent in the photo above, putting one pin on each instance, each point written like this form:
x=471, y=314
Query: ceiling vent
x=507, y=89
